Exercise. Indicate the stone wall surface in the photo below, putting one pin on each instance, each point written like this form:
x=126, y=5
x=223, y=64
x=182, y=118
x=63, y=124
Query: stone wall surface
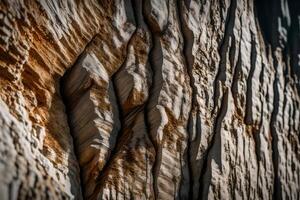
x=149, y=99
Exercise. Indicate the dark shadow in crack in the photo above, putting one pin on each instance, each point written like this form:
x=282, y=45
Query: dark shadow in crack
x=59, y=140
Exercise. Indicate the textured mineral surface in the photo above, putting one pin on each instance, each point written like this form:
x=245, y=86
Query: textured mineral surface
x=149, y=99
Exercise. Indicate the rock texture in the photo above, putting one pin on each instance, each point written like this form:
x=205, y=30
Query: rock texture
x=150, y=99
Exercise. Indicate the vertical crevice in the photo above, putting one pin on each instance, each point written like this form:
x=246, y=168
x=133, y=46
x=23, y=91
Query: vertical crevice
x=188, y=41
x=223, y=50
x=75, y=149
x=117, y=145
x=81, y=89
x=248, y=118
x=122, y=120
x=206, y=173
x=155, y=60
x=218, y=110
x=249, y=104
x=73, y=143
x=235, y=80
x=67, y=105
x=275, y=153
x=154, y=57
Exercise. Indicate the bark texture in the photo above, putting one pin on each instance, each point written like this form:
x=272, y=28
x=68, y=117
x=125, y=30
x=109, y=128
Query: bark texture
x=150, y=99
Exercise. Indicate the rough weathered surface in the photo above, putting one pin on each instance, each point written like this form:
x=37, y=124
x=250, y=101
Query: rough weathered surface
x=150, y=99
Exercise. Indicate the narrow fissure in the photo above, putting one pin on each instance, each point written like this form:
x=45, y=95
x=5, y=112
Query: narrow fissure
x=248, y=116
x=75, y=149
x=155, y=60
x=275, y=153
x=68, y=114
x=256, y=128
x=153, y=88
x=228, y=32
x=76, y=86
x=188, y=42
x=220, y=76
x=216, y=140
x=118, y=143
x=117, y=146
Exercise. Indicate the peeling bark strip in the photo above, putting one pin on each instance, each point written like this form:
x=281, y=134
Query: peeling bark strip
x=150, y=99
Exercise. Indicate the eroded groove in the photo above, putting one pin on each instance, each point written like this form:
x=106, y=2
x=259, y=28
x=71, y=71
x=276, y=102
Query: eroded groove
x=86, y=88
x=115, y=149
x=248, y=119
x=275, y=153
x=219, y=80
x=117, y=146
x=188, y=42
x=216, y=140
x=156, y=63
x=167, y=122
x=155, y=59
x=248, y=115
x=68, y=105
x=132, y=103
x=221, y=74
x=235, y=78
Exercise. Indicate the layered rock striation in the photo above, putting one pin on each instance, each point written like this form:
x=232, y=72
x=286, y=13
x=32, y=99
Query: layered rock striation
x=150, y=99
